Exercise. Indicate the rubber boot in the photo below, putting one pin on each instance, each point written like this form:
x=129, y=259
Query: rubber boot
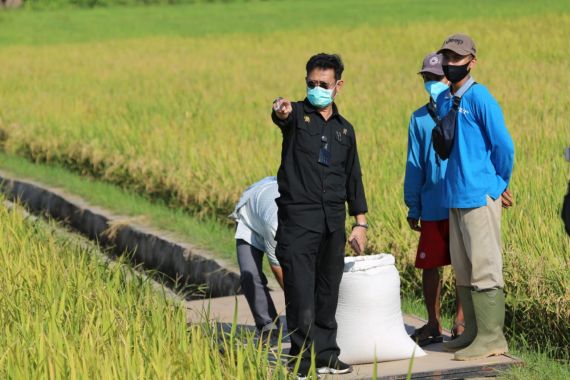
x=490, y=314
x=470, y=331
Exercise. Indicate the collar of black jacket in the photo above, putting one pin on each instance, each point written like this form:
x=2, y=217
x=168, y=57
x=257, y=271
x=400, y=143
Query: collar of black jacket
x=309, y=108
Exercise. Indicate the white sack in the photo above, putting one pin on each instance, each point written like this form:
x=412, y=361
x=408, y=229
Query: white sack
x=369, y=315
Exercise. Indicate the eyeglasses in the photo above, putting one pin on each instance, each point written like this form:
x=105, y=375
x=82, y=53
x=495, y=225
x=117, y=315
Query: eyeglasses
x=314, y=83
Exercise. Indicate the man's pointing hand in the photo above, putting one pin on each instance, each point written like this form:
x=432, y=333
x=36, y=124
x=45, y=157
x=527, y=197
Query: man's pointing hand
x=282, y=108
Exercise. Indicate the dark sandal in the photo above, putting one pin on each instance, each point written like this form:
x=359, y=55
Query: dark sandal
x=454, y=334
x=419, y=336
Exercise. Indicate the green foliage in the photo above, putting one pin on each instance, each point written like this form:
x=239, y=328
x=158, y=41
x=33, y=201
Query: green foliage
x=65, y=313
x=179, y=110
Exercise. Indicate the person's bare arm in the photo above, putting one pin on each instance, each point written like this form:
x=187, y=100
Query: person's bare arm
x=507, y=199
x=278, y=273
x=414, y=224
x=357, y=237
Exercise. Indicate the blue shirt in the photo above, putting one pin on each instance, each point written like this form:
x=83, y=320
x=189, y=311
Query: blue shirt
x=424, y=171
x=482, y=157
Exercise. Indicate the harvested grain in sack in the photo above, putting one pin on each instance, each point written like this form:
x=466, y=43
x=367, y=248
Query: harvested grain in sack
x=369, y=316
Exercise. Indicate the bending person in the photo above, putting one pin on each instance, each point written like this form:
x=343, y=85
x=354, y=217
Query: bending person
x=256, y=217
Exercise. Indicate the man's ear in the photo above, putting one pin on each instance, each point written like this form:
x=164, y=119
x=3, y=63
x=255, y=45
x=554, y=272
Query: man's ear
x=339, y=85
x=473, y=63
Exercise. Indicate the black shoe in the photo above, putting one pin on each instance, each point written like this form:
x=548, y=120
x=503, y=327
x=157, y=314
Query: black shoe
x=336, y=368
x=300, y=374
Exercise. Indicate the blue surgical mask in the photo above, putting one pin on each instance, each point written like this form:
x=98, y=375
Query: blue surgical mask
x=434, y=88
x=319, y=97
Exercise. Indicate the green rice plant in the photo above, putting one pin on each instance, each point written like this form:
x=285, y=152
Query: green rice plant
x=181, y=112
x=65, y=313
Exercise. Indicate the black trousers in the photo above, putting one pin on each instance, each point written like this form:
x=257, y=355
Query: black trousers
x=312, y=264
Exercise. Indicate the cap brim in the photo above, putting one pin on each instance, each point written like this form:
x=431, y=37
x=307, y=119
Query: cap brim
x=454, y=49
x=436, y=72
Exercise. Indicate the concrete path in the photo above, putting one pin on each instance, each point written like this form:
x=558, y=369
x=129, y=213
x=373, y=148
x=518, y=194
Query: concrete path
x=438, y=364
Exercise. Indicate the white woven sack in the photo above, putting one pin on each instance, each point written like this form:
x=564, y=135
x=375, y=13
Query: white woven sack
x=369, y=316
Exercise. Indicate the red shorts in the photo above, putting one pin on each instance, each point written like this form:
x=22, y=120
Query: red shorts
x=433, y=249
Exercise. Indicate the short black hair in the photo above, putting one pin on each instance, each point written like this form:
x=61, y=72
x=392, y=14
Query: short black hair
x=326, y=61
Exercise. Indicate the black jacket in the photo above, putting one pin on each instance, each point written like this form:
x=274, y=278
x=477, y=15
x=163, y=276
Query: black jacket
x=314, y=195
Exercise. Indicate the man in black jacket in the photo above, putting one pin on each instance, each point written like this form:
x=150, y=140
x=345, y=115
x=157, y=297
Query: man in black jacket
x=319, y=174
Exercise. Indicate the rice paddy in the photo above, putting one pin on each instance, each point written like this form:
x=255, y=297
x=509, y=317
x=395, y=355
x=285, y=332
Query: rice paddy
x=67, y=313
x=174, y=102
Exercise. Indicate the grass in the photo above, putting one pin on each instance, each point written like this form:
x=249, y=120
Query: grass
x=163, y=103
x=67, y=314
x=254, y=17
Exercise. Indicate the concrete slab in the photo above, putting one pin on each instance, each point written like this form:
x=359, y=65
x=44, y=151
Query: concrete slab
x=438, y=364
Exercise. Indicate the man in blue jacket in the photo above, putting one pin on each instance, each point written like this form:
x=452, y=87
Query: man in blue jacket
x=422, y=194
x=475, y=187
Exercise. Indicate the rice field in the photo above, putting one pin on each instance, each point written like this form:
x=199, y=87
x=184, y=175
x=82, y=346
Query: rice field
x=174, y=102
x=66, y=313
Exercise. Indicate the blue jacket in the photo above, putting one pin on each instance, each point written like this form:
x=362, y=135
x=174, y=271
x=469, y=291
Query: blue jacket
x=424, y=172
x=482, y=157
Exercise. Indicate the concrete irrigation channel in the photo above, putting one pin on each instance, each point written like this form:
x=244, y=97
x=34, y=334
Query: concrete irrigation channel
x=163, y=252
x=155, y=250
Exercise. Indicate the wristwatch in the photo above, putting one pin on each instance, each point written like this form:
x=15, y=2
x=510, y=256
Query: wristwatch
x=364, y=225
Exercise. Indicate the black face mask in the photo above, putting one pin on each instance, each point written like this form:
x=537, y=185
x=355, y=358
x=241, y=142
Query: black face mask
x=455, y=73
